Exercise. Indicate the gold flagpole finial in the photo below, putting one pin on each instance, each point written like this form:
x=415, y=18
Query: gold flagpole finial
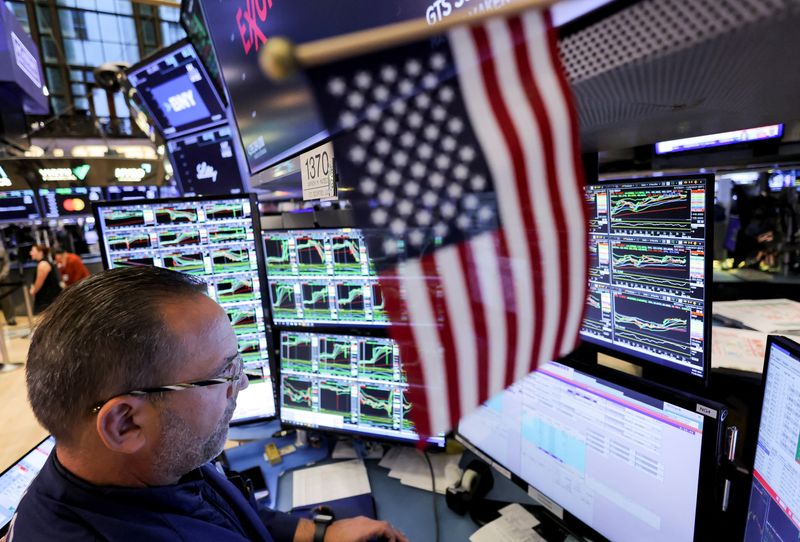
x=277, y=59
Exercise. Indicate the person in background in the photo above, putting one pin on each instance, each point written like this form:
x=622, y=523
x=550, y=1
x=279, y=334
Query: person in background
x=5, y=291
x=71, y=267
x=45, y=287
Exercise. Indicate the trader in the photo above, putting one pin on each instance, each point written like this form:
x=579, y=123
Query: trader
x=136, y=373
x=70, y=266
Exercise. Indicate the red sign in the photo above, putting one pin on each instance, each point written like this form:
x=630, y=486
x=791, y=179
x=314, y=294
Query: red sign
x=255, y=13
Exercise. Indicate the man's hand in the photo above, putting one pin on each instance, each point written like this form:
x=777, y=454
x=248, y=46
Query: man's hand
x=362, y=529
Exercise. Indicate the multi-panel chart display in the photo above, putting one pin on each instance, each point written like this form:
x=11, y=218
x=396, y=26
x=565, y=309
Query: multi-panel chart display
x=215, y=240
x=647, y=284
x=345, y=382
x=322, y=277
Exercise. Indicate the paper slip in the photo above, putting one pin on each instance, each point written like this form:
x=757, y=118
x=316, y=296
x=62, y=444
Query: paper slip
x=765, y=315
x=515, y=524
x=329, y=482
x=390, y=457
x=410, y=467
x=345, y=449
x=740, y=349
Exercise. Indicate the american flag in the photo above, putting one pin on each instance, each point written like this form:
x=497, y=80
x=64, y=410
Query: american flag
x=463, y=152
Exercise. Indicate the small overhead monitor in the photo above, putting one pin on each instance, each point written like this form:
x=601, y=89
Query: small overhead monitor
x=774, y=495
x=346, y=383
x=194, y=24
x=606, y=453
x=124, y=193
x=68, y=202
x=215, y=239
x=18, y=206
x=16, y=479
x=322, y=277
x=650, y=272
x=772, y=131
x=175, y=89
x=205, y=163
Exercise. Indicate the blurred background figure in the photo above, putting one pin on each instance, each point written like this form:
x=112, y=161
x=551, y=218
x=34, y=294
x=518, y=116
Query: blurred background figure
x=45, y=287
x=71, y=267
x=5, y=291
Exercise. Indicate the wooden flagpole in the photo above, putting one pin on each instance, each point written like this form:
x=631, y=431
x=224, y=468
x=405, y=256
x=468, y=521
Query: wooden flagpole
x=280, y=58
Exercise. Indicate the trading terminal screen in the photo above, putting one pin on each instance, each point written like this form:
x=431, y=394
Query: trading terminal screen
x=18, y=206
x=176, y=90
x=624, y=463
x=322, y=278
x=123, y=193
x=15, y=480
x=214, y=240
x=205, y=163
x=775, y=493
x=345, y=383
x=647, y=272
x=64, y=202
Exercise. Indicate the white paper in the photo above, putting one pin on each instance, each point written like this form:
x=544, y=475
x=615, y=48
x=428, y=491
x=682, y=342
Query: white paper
x=518, y=515
x=765, y=315
x=345, y=449
x=409, y=466
x=329, y=482
x=508, y=528
x=390, y=457
x=740, y=349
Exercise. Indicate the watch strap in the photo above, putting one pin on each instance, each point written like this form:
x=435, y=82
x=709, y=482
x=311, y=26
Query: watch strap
x=319, y=531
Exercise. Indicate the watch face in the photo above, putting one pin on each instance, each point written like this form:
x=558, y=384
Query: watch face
x=323, y=518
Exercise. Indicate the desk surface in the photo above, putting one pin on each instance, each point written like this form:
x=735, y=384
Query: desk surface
x=407, y=508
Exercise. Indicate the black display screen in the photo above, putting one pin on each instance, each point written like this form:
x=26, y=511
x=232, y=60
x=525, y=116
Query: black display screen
x=205, y=163
x=18, y=206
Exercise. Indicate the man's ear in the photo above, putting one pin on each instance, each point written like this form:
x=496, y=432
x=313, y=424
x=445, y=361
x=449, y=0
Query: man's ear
x=124, y=423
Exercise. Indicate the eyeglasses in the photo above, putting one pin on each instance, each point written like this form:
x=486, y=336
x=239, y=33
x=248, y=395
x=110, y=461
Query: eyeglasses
x=238, y=367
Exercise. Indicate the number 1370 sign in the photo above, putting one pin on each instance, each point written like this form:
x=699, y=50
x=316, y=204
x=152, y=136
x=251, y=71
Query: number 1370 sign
x=317, y=174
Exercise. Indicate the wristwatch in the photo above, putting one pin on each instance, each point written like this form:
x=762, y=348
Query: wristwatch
x=323, y=516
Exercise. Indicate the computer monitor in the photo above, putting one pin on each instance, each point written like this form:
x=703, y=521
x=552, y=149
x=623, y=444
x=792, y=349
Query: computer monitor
x=215, y=239
x=605, y=453
x=66, y=202
x=16, y=479
x=650, y=262
x=345, y=383
x=18, y=206
x=322, y=277
x=205, y=163
x=126, y=193
x=176, y=91
x=195, y=25
x=775, y=494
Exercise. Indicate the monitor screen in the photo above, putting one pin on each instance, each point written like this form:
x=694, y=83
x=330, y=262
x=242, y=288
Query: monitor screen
x=648, y=268
x=775, y=494
x=18, y=206
x=624, y=462
x=323, y=278
x=205, y=163
x=64, y=202
x=124, y=193
x=345, y=383
x=716, y=140
x=194, y=23
x=176, y=91
x=16, y=479
x=214, y=239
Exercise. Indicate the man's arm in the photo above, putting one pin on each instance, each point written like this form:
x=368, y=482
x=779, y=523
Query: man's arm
x=360, y=529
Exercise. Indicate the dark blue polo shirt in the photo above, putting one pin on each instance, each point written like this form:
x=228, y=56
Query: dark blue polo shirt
x=203, y=506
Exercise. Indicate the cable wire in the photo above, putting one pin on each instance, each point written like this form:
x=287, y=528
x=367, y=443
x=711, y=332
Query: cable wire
x=433, y=493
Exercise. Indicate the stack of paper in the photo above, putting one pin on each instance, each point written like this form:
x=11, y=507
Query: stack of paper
x=329, y=482
x=765, y=315
x=410, y=467
x=740, y=349
x=515, y=524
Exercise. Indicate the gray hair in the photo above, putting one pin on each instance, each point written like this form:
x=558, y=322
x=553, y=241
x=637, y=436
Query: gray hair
x=100, y=338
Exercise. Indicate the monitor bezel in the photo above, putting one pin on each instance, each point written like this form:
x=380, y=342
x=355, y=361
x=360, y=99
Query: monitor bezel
x=794, y=350
x=709, y=482
x=156, y=57
x=36, y=205
x=4, y=528
x=256, y=220
x=655, y=371
x=219, y=85
x=374, y=330
x=432, y=442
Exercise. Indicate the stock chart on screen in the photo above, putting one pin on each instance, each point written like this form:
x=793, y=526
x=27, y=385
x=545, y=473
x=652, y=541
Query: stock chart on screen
x=215, y=240
x=347, y=383
x=647, y=275
x=322, y=277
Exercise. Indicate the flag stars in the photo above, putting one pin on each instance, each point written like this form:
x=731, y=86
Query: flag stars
x=442, y=162
x=448, y=210
x=393, y=178
x=411, y=189
x=438, y=61
x=425, y=151
x=454, y=190
x=485, y=214
x=461, y=172
x=347, y=120
x=397, y=226
x=423, y=217
x=423, y=101
x=399, y=107
x=407, y=139
x=455, y=126
x=463, y=222
x=467, y=154
x=413, y=67
x=446, y=94
x=337, y=86
x=386, y=197
x=381, y=93
x=365, y=134
x=380, y=216
x=383, y=147
x=431, y=132
x=389, y=74
x=355, y=100
x=429, y=199
x=430, y=81
x=368, y=186
x=471, y=202
x=358, y=154
x=373, y=113
x=363, y=80
x=477, y=183
x=415, y=120
x=416, y=238
x=449, y=143
x=375, y=166
x=406, y=87
x=436, y=180
x=391, y=126
x=441, y=229
x=418, y=170
x=405, y=208
x=400, y=159
x=390, y=246
x=438, y=113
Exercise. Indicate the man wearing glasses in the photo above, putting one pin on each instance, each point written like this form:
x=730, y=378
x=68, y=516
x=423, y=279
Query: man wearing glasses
x=136, y=374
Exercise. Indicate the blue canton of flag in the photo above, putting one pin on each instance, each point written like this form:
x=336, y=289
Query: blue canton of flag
x=462, y=152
